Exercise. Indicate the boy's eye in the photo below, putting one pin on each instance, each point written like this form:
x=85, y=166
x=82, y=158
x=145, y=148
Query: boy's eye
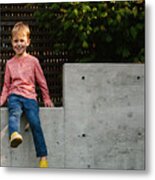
x=16, y=41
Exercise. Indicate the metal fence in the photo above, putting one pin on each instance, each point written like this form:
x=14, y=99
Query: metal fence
x=51, y=61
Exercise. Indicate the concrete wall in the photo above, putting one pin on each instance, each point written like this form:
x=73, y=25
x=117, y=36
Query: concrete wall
x=104, y=116
x=52, y=121
x=100, y=126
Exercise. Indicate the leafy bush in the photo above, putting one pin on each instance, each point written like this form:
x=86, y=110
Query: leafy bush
x=106, y=31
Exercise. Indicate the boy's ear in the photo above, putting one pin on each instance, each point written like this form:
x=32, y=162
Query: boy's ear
x=28, y=42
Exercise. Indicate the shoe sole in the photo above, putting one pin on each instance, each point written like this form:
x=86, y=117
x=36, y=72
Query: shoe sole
x=15, y=142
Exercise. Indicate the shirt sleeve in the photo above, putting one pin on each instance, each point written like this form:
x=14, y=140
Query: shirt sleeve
x=40, y=78
x=6, y=86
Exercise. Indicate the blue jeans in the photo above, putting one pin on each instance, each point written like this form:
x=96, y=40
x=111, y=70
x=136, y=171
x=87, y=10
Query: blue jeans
x=16, y=106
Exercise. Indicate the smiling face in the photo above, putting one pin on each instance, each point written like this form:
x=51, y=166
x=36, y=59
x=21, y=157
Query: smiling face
x=20, y=38
x=20, y=42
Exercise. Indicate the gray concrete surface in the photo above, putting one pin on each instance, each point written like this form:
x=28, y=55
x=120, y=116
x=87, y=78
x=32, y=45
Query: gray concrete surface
x=104, y=116
x=101, y=125
x=52, y=121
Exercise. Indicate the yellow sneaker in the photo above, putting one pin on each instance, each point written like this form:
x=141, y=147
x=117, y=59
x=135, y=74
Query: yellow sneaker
x=43, y=164
x=15, y=139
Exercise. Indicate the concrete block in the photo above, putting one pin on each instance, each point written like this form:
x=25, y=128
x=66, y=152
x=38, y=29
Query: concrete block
x=101, y=125
x=104, y=116
x=52, y=120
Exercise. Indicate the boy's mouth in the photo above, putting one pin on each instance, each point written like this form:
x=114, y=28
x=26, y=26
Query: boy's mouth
x=19, y=47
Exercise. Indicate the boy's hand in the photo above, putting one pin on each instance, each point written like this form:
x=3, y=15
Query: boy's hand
x=49, y=104
x=1, y=101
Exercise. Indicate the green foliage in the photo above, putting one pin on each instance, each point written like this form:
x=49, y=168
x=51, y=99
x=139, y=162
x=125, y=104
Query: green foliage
x=110, y=31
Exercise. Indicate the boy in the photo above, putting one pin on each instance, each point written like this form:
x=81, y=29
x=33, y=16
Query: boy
x=19, y=91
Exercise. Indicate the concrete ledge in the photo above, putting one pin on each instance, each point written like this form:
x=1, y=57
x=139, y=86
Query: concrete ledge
x=101, y=125
x=52, y=120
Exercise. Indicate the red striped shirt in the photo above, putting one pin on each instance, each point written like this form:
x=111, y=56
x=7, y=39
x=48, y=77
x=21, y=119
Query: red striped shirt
x=20, y=77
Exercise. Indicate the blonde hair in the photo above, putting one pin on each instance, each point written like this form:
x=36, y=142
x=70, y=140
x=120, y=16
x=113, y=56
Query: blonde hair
x=20, y=28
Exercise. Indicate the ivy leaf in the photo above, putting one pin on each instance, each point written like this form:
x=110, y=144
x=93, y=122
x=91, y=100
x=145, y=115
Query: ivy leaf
x=125, y=52
x=135, y=11
x=76, y=12
x=67, y=24
x=104, y=14
x=118, y=17
x=85, y=44
x=133, y=32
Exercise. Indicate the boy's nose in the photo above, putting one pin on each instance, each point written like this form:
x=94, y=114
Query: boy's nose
x=19, y=45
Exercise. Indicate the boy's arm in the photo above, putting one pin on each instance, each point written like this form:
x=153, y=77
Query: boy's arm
x=43, y=85
x=6, y=86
